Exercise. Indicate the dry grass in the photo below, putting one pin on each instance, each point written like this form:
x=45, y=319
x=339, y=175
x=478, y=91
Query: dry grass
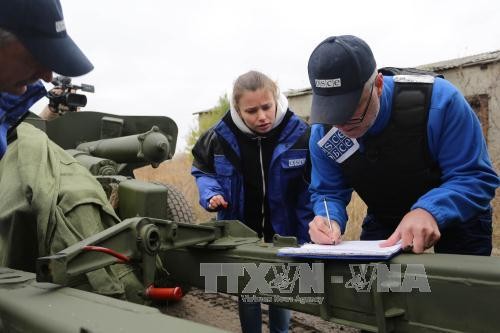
x=177, y=173
x=356, y=210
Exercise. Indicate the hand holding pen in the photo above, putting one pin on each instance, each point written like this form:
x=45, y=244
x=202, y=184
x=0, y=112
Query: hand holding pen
x=323, y=230
x=328, y=220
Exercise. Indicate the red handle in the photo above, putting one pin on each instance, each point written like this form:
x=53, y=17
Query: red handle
x=172, y=294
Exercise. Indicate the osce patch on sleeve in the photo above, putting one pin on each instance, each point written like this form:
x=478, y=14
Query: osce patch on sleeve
x=337, y=146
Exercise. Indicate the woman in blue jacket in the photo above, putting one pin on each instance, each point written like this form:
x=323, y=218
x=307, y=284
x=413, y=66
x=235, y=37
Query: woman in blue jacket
x=253, y=166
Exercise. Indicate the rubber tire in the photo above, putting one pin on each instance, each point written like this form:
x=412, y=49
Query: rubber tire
x=178, y=209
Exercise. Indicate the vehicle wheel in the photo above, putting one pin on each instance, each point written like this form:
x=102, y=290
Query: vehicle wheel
x=178, y=209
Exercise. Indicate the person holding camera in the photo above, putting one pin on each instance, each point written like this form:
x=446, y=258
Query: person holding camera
x=49, y=112
x=33, y=44
x=48, y=200
x=63, y=98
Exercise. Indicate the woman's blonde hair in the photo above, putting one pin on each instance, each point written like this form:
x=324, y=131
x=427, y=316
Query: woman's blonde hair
x=253, y=81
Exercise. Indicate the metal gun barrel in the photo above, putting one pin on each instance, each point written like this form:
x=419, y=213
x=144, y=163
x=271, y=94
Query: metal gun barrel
x=96, y=165
x=152, y=146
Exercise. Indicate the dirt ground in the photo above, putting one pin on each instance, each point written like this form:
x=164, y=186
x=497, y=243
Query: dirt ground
x=221, y=311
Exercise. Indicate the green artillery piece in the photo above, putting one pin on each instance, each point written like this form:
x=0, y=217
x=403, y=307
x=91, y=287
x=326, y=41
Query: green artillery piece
x=426, y=299
x=409, y=293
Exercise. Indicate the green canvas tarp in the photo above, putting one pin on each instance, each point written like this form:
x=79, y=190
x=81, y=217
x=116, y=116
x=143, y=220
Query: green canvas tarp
x=47, y=202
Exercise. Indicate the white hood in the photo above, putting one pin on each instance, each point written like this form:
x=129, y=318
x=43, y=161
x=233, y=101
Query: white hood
x=281, y=107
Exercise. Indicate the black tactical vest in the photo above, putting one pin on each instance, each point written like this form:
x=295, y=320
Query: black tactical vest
x=395, y=167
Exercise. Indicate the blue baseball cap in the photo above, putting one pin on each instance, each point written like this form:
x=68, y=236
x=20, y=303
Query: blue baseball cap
x=39, y=26
x=338, y=69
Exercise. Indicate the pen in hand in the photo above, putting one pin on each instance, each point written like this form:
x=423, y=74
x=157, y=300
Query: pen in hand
x=328, y=215
x=330, y=222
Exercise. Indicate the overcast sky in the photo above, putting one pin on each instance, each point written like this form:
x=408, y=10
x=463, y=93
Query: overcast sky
x=174, y=58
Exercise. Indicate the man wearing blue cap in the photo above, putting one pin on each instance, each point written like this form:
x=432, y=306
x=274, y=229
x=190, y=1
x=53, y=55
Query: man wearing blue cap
x=48, y=200
x=33, y=44
x=410, y=146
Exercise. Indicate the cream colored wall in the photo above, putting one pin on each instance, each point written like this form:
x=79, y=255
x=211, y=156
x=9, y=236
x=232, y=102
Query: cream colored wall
x=301, y=105
x=476, y=80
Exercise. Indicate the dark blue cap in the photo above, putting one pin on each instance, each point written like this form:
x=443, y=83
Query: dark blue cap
x=338, y=69
x=39, y=26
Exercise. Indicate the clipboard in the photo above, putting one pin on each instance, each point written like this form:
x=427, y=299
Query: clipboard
x=346, y=250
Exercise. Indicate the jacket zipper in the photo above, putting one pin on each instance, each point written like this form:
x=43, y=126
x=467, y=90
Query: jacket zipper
x=263, y=181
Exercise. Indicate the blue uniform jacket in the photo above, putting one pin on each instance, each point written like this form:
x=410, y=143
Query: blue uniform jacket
x=455, y=141
x=13, y=108
x=291, y=211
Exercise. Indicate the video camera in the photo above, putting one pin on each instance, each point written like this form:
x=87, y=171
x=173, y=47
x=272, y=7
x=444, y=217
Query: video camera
x=63, y=97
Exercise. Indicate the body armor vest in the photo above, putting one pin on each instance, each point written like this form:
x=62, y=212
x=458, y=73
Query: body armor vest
x=395, y=167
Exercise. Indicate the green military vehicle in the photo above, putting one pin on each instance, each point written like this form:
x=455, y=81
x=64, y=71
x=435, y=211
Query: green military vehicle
x=157, y=236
